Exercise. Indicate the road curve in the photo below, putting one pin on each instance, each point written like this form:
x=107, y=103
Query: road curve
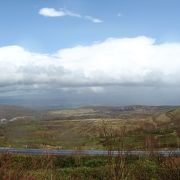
x=175, y=153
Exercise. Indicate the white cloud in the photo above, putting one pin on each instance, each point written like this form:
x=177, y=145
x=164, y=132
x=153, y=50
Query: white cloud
x=95, y=20
x=51, y=12
x=126, y=62
x=70, y=13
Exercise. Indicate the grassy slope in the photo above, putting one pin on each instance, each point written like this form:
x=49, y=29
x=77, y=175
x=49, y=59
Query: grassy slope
x=9, y=112
x=80, y=128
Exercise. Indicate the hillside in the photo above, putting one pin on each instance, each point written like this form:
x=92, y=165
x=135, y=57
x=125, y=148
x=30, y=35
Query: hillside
x=82, y=127
x=10, y=112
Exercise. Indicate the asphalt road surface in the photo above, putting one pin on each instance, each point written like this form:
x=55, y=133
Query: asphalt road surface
x=164, y=153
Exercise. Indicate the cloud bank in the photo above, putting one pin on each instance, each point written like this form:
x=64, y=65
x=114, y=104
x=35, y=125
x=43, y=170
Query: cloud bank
x=121, y=62
x=51, y=12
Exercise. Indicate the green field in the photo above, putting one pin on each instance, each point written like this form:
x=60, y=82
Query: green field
x=83, y=128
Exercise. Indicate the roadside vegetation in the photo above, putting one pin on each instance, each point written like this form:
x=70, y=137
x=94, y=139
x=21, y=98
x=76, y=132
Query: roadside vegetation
x=139, y=130
x=152, y=167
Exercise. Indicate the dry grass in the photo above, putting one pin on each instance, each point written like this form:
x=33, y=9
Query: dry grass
x=80, y=129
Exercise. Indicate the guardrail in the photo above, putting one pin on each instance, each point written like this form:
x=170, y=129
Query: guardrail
x=164, y=153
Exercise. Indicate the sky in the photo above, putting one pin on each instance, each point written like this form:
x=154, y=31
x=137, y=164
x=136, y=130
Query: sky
x=69, y=53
